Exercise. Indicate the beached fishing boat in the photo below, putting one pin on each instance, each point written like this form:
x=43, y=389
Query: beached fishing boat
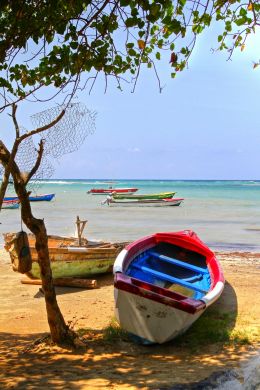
x=10, y=204
x=163, y=283
x=111, y=190
x=160, y=195
x=34, y=198
x=68, y=259
x=110, y=201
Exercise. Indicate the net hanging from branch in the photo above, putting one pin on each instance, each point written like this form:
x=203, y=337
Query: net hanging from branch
x=70, y=132
x=26, y=158
x=64, y=137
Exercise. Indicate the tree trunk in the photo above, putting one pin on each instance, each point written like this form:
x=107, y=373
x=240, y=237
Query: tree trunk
x=60, y=332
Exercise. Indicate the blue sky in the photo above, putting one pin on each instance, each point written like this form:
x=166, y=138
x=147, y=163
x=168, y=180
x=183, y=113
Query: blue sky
x=204, y=125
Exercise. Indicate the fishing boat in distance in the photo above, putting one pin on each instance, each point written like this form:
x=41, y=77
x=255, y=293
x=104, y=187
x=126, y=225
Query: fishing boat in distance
x=163, y=283
x=41, y=198
x=111, y=190
x=34, y=198
x=160, y=195
x=111, y=201
x=10, y=204
x=69, y=256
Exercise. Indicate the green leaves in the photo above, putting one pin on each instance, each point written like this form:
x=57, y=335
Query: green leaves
x=130, y=22
x=59, y=40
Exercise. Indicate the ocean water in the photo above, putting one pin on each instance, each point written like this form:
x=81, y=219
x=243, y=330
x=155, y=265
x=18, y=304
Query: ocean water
x=225, y=214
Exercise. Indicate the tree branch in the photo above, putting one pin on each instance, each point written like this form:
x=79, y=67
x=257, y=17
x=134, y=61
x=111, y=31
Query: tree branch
x=37, y=163
x=11, y=157
x=17, y=130
x=43, y=128
x=9, y=165
x=8, y=159
x=94, y=16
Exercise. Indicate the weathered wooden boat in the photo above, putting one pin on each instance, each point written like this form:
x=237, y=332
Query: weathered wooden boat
x=68, y=259
x=34, y=198
x=163, y=283
x=10, y=204
x=160, y=195
x=110, y=201
x=111, y=190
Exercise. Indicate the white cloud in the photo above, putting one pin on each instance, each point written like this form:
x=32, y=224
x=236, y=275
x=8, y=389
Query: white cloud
x=134, y=150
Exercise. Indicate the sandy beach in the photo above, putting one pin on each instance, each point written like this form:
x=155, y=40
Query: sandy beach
x=109, y=360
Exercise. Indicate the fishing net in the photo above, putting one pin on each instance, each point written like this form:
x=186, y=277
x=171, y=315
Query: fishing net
x=65, y=137
x=70, y=132
x=26, y=158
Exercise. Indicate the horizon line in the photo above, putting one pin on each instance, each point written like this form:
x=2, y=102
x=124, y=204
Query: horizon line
x=123, y=179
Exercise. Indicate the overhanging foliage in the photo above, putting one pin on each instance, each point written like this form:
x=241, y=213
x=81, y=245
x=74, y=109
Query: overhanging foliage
x=54, y=42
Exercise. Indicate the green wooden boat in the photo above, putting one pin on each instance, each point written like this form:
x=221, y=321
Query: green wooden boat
x=161, y=195
x=68, y=259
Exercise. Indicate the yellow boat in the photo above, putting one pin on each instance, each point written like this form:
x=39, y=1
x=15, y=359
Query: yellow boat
x=68, y=259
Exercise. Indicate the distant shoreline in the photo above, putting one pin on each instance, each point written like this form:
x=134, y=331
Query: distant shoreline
x=109, y=180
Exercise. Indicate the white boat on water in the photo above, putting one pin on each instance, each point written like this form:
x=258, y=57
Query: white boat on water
x=110, y=201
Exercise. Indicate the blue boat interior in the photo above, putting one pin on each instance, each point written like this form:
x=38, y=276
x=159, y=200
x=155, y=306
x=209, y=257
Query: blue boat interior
x=174, y=268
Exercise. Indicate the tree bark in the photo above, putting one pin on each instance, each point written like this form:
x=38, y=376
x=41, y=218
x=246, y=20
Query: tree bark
x=60, y=332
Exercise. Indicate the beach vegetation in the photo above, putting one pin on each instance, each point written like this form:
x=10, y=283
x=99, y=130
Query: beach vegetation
x=50, y=50
x=217, y=327
x=213, y=327
x=114, y=332
x=110, y=333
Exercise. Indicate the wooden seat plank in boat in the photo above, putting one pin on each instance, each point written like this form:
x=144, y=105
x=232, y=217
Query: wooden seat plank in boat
x=179, y=263
x=172, y=279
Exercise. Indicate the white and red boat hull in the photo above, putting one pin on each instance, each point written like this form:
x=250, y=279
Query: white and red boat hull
x=143, y=202
x=151, y=320
x=154, y=312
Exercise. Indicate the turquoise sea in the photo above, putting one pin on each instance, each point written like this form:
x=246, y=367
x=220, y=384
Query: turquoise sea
x=225, y=214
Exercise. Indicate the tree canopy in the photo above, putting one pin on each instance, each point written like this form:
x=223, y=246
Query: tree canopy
x=55, y=42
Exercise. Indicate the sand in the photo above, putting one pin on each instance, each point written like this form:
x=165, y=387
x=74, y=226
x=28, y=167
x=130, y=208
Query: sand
x=27, y=362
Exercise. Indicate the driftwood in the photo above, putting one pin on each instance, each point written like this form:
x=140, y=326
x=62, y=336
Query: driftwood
x=65, y=282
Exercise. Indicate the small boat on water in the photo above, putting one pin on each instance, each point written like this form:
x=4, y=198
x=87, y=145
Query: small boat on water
x=110, y=201
x=68, y=259
x=10, y=204
x=34, y=198
x=111, y=190
x=161, y=195
x=40, y=198
x=163, y=283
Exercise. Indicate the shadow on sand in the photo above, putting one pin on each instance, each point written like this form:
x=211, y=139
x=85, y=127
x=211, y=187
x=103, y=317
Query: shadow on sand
x=118, y=363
